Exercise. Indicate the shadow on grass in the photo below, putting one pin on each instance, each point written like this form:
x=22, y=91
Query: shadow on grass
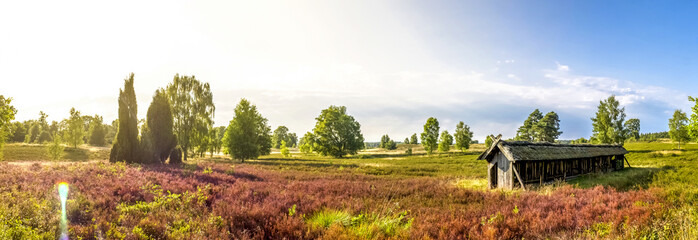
x=300, y=163
x=623, y=180
x=76, y=154
x=196, y=171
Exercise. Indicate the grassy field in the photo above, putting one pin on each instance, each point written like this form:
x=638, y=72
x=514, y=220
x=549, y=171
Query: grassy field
x=374, y=195
x=38, y=152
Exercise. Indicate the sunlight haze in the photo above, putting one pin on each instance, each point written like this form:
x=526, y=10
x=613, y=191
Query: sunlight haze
x=392, y=63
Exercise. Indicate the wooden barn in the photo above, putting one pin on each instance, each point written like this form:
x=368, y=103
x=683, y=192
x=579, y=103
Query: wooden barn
x=516, y=163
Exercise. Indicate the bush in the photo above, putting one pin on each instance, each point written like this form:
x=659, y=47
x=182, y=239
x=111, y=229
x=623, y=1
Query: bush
x=55, y=149
x=176, y=156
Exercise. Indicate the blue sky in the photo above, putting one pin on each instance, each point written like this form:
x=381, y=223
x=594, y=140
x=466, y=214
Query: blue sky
x=392, y=63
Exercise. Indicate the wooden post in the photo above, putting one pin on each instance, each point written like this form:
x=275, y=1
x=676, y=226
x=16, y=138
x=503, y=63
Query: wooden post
x=626, y=160
x=519, y=178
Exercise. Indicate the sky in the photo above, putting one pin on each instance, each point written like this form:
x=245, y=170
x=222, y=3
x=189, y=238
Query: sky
x=393, y=64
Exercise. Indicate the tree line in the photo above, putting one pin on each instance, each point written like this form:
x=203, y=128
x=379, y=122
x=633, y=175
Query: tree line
x=179, y=123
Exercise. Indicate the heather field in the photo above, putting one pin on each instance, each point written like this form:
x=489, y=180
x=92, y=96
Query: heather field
x=373, y=195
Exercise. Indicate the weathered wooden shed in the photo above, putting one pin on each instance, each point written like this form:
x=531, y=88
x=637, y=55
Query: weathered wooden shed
x=516, y=163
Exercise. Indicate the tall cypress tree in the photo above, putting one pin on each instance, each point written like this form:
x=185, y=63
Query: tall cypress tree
x=125, y=148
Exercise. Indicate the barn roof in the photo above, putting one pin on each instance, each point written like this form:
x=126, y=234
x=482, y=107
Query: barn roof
x=528, y=151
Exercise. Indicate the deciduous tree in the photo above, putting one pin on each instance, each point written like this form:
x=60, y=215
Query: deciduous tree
x=75, y=129
x=97, y=131
x=385, y=139
x=678, y=127
x=55, y=149
x=413, y=139
x=430, y=136
x=445, y=142
x=463, y=136
x=281, y=134
x=336, y=133
x=7, y=114
x=608, y=123
x=284, y=150
x=306, y=143
x=633, y=128
x=192, y=110
x=18, y=132
x=693, y=122
x=248, y=135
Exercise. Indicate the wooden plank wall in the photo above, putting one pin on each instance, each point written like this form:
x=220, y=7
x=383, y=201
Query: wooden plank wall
x=543, y=171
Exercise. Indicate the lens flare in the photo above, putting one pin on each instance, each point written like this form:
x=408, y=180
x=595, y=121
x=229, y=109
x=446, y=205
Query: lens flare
x=63, y=194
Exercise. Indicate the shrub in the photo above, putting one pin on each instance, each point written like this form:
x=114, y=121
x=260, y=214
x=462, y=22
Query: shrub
x=55, y=149
x=176, y=156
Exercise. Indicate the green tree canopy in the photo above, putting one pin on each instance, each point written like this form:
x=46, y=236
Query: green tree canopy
x=7, y=114
x=678, y=127
x=548, y=128
x=192, y=110
x=430, y=136
x=413, y=139
x=306, y=143
x=97, y=131
x=281, y=134
x=248, y=135
x=384, y=141
x=693, y=121
x=528, y=131
x=160, y=127
x=126, y=145
x=75, y=129
x=19, y=131
x=33, y=133
x=490, y=140
x=445, y=142
x=463, y=136
x=608, y=123
x=284, y=150
x=633, y=128
x=336, y=133
x=406, y=141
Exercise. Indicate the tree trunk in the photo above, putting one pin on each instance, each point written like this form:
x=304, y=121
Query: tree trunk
x=184, y=154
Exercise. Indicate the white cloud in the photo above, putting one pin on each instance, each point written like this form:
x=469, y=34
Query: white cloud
x=561, y=67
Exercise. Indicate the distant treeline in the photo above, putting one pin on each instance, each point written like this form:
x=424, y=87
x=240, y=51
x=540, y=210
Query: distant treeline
x=653, y=136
